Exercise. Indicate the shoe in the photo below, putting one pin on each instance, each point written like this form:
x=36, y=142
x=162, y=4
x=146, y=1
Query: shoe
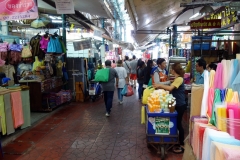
x=107, y=114
x=121, y=102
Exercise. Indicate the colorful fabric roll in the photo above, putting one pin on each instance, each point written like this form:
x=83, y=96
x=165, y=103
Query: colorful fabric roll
x=211, y=78
x=17, y=110
x=225, y=74
x=217, y=99
x=3, y=117
x=231, y=153
x=204, y=106
x=8, y=113
x=236, y=83
x=218, y=79
x=210, y=102
x=229, y=96
x=235, y=72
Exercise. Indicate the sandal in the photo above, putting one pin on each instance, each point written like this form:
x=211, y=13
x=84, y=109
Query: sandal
x=178, y=149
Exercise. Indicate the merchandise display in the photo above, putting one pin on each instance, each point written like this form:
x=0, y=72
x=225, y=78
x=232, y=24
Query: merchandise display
x=221, y=108
x=161, y=101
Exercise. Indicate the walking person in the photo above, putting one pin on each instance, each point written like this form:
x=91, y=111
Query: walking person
x=140, y=79
x=109, y=87
x=178, y=91
x=147, y=73
x=133, y=74
x=122, y=76
x=127, y=66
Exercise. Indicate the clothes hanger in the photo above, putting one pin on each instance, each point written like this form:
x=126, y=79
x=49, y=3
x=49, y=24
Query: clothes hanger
x=46, y=34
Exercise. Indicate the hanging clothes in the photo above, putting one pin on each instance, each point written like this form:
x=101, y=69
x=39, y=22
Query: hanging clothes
x=3, y=50
x=8, y=113
x=54, y=46
x=26, y=52
x=9, y=72
x=44, y=43
x=36, y=51
x=15, y=53
x=17, y=110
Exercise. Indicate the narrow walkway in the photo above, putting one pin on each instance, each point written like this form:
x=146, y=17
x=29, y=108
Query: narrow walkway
x=80, y=131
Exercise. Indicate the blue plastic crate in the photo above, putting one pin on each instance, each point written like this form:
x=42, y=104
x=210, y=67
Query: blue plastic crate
x=173, y=126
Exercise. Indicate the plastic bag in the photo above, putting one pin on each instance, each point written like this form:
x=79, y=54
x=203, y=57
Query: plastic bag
x=146, y=94
x=102, y=75
x=129, y=91
x=124, y=91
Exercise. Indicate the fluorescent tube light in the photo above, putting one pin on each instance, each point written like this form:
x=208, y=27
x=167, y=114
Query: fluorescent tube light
x=195, y=15
x=52, y=17
x=56, y=21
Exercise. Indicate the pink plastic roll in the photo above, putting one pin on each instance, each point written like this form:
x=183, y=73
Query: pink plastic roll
x=231, y=123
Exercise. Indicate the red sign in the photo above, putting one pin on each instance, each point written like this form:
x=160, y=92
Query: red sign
x=18, y=9
x=19, y=6
x=204, y=24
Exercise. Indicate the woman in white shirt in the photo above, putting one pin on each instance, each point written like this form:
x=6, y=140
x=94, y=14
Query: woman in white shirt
x=123, y=79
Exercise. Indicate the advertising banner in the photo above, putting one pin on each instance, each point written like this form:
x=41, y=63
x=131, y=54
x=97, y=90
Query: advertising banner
x=204, y=24
x=18, y=9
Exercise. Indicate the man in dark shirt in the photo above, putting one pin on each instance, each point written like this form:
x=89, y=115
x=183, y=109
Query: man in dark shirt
x=108, y=87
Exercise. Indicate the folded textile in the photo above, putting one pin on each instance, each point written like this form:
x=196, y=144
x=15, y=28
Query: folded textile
x=17, y=110
x=211, y=135
x=217, y=148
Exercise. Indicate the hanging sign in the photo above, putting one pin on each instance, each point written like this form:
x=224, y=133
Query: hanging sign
x=65, y=6
x=18, y=9
x=81, y=45
x=203, y=24
x=224, y=14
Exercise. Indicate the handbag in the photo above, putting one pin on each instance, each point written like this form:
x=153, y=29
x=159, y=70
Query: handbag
x=146, y=94
x=26, y=52
x=102, y=75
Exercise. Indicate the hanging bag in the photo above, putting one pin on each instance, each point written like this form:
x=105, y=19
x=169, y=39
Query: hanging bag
x=146, y=94
x=102, y=75
x=129, y=91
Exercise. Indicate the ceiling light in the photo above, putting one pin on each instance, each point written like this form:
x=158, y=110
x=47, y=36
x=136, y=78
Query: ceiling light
x=195, y=15
x=56, y=21
x=52, y=17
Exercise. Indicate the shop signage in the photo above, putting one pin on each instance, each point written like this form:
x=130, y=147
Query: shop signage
x=81, y=45
x=65, y=6
x=18, y=9
x=226, y=16
x=203, y=24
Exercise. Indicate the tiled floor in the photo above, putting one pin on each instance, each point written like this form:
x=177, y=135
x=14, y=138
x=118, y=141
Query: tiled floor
x=81, y=131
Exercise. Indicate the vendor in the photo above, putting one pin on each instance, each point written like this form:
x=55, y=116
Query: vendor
x=160, y=73
x=200, y=68
x=178, y=91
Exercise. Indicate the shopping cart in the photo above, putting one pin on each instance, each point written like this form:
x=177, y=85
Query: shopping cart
x=161, y=131
x=95, y=90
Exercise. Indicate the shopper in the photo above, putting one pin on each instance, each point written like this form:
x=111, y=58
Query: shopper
x=147, y=73
x=178, y=91
x=122, y=76
x=200, y=68
x=140, y=79
x=212, y=66
x=108, y=87
x=127, y=66
x=133, y=74
x=113, y=64
x=160, y=74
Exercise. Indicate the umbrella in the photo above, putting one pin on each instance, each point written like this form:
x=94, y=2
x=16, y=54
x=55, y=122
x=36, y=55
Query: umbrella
x=41, y=22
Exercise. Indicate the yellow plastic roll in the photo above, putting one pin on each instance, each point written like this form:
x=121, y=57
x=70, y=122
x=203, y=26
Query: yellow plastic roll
x=143, y=115
x=223, y=120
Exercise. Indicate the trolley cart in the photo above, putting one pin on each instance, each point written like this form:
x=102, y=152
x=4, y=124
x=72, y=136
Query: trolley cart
x=95, y=90
x=161, y=131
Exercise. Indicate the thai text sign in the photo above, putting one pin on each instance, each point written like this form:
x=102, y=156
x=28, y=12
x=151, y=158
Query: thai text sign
x=18, y=9
x=203, y=24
